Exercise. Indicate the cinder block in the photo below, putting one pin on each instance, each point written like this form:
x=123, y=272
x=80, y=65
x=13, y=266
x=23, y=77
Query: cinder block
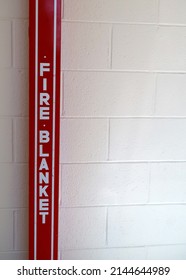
x=111, y=10
x=105, y=254
x=21, y=230
x=146, y=225
x=146, y=47
x=85, y=46
x=133, y=46
x=6, y=232
x=168, y=183
x=6, y=137
x=170, y=98
x=20, y=44
x=170, y=252
x=148, y=139
x=172, y=11
x=108, y=94
x=14, y=92
x=5, y=44
x=14, y=185
x=104, y=184
x=170, y=49
x=21, y=140
x=13, y=9
x=83, y=140
x=14, y=255
x=82, y=228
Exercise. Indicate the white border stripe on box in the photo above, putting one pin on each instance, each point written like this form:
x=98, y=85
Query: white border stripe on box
x=54, y=128
x=36, y=132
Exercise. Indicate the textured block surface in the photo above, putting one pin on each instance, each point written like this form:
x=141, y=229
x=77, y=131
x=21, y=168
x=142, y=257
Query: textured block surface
x=147, y=139
x=106, y=254
x=83, y=140
x=7, y=230
x=86, y=46
x=146, y=225
x=104, y=184
x=172, y=11
x=147, y=47
x=108, y=94
x=5, y=44
x=6, y=137
x=111, y=10
x=88, y=224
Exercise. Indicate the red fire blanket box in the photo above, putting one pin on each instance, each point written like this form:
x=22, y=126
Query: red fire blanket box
x=44, y=127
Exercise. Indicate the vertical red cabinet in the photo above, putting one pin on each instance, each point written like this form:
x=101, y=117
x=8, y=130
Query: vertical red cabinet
x=44, y=127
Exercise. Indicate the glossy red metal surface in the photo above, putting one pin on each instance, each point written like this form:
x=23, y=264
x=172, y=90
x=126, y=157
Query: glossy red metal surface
x=44, y=123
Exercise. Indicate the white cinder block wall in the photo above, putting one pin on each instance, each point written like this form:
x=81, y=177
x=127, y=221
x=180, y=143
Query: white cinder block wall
x=123, y=130
x=13, y=129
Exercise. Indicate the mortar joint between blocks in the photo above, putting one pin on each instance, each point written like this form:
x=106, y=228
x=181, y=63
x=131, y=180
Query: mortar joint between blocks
x=108, y=141
x=111, y=47
x=106, y=241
